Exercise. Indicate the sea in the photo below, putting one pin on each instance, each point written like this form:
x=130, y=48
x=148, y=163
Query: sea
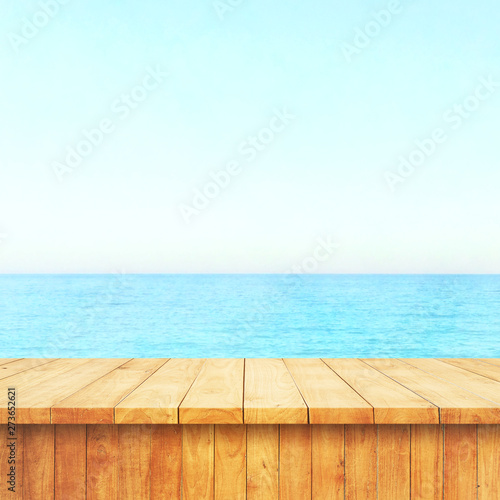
x=230, y=315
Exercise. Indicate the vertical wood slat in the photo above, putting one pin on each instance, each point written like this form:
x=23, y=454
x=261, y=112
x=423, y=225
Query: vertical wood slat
x=393, y=454
x=460, y=461
x=263, y=462
x=427, y=462
x=102, y=462
x=70, y=462
x=38, y=461
x=328, y=462
x=134, y=461
x=488, y=462
x=230, y=462
x=361, y=461
x=311, y=461
x=198, y=462
x=166, y=461
x=295, y=462
x=5, y=456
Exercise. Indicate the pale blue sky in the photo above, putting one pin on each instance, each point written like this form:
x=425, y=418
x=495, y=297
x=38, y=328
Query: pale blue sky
x=330, y=171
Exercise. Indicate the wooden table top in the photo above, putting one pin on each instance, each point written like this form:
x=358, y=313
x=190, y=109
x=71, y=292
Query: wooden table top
x=252, y=391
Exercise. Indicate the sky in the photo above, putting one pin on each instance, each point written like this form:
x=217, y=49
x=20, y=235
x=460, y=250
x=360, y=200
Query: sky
x=243, y=136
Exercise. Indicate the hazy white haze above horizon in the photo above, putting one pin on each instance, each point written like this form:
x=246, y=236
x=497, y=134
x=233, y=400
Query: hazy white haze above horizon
x=249, y=137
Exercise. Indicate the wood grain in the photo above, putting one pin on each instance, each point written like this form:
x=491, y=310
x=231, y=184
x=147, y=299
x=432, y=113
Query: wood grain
x=216, y=395
x=460, y=461
x=479, y=385
x=134, y=461
x=4, y=361
x=262, y=462
x=95, y=403
x=70, y=462
x=476, y=366
x=29, y=380
x=38, y=462
x=258, y=461
x=102, y=462
x=295, y=462
x=328, y=462
x=427, y=462
x=329, y=399
x=457, y=405
x=41, y=372
x=392, y=403
x=361, y=462
x=198, y=462
x=271, y=396
x=36, y=401
x=166, y=461
x=491, y=361
x=306, y=461
x=489, y=462
x=394, y=462
x=157, y=400
x=230, y=462
x=14, y=443
x=79, y=391
x=7, y=369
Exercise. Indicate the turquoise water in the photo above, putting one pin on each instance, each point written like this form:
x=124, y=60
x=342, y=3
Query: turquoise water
x=250, y=316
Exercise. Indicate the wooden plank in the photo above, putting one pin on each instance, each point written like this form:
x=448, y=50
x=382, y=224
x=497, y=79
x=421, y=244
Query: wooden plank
x=20, y=365
x=457, y=406
x=38, y=461
x=198, y=462
x=11, y=455
x=4, y=361
x=488, y=462
x=271, y=396
x=35, y=403
x=492, y=361
x=426, y=462
x=70, y=462
x=31, y=378
x=166, y=462
x=134, y=461
x=394, y=462
x=42, y=372
x=460, y=461
x=102, y=462
x=230, y=462
x=479, y=385
x=392, y=403
x=295, y=462
x=95, y=403
x=329, y=398
x=476, y=366
x=216, y=396
x=328, y=462
x=262, y=462
x=361, y=462
x=157, y=400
